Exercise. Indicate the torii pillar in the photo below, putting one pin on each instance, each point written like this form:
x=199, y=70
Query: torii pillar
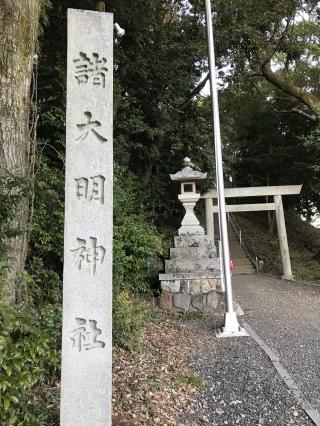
x=283, y=240
x=260, y=191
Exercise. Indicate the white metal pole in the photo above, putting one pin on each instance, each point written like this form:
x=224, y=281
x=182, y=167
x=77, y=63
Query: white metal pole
x=231, y=326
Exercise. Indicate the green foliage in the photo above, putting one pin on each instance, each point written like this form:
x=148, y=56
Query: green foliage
x=30, y=333
x=29, y=350
x=44, y=285
x=306, y=269
x=137, y=244
x=192, y=380
x=264, y=147
x=251, y=32
x=129, y=318
x=48, y=214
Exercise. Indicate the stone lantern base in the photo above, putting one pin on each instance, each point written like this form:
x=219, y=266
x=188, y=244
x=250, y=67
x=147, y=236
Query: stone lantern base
x=192, y=277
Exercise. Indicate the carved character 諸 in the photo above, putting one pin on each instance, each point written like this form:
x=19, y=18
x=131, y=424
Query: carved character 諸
x=90, y=69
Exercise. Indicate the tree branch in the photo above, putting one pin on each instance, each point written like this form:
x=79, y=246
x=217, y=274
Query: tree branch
x=200, y=86
x=296, y=110
x=312, y=118
x=196, y=91
x=308, y=99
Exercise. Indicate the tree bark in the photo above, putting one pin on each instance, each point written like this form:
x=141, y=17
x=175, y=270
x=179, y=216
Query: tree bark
x=19, y=21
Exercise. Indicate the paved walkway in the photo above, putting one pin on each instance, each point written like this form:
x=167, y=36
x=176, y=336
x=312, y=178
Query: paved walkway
x=242, y=386
x=286, y=316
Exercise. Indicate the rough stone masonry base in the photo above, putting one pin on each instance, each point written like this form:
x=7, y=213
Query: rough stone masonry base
x=191, y=295
x=192, y=280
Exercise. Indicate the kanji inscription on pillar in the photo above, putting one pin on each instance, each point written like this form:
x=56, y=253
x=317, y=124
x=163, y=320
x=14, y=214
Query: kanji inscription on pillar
x=88, y=128
x=90, y=69
x=87, y=277
x=91, y=188
x=85, y=336
x=88, y=255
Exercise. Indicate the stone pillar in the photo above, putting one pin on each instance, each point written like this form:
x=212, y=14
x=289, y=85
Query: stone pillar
x=87, y=287
x=209, y=220
x=283, y=240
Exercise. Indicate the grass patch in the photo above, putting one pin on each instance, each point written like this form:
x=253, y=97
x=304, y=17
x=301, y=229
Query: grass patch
x=195, y=315
x=192, y=380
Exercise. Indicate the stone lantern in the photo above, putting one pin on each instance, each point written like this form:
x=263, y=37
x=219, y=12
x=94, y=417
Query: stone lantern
x=191, y=281
x=189, y=197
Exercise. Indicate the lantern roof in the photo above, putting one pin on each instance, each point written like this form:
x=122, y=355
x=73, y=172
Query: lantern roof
x=188, y=173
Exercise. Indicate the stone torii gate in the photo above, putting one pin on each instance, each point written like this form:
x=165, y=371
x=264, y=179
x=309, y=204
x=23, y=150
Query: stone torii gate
x=260, y=191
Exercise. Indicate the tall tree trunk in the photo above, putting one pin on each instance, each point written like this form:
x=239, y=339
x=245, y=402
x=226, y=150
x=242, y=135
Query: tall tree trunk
x=19, y=21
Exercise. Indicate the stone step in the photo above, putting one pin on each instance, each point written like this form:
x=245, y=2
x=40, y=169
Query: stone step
x=235, y=256
x=248, y=272
x=189, y=275
x=243, y=265
x=187, y=265
x=192, y=253
x=236, y=250
x=244, y=269
x=241, y=261
x=192, y=241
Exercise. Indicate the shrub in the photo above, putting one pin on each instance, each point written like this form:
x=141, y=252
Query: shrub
x=137, y=247
x=29, y=351
x=129, y=318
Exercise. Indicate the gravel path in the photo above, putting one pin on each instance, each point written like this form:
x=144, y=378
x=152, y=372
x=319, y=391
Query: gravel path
x=241, y=385
x=287, y=317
